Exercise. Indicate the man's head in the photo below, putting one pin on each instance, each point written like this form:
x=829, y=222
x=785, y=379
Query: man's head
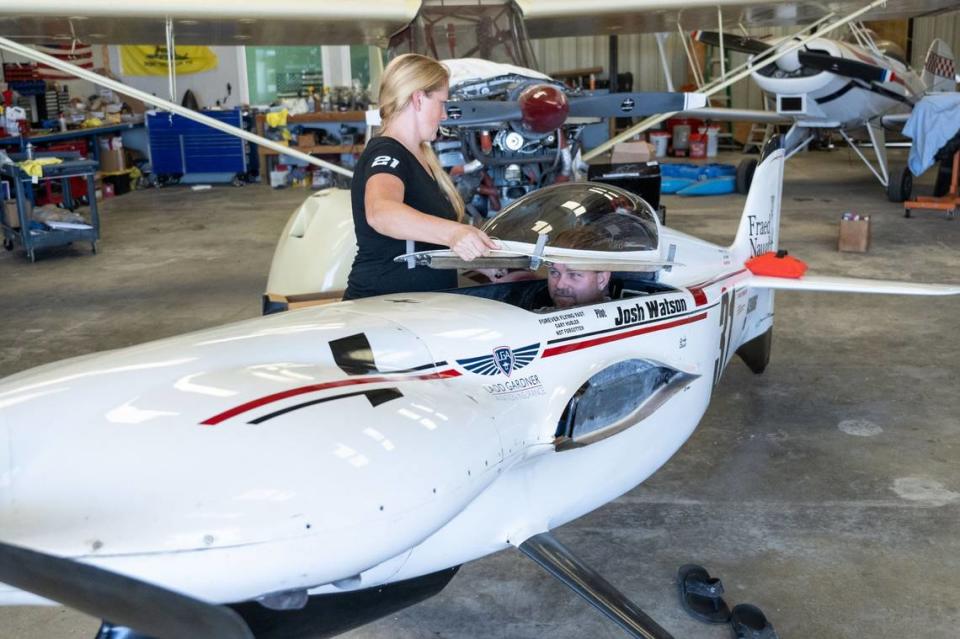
x=569, y=287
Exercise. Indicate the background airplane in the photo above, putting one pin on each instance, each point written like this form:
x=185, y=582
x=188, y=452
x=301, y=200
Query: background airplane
x=836, y=86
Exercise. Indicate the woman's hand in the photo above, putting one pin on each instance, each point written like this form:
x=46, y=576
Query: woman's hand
x=470, y=242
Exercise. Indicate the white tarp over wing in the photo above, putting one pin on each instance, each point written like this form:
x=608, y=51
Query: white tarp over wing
x=470, y=69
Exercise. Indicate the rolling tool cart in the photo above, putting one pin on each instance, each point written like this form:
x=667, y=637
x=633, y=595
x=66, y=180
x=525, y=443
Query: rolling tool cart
x=19, y=230
x=180, y=147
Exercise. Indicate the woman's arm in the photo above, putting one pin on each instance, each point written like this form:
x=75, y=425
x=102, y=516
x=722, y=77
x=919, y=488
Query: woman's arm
x=388, y=215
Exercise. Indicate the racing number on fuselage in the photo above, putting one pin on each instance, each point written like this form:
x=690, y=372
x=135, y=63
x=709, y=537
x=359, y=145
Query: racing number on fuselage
x=726, y=333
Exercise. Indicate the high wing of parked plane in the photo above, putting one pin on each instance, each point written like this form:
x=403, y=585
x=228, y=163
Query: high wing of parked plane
x=337, y=463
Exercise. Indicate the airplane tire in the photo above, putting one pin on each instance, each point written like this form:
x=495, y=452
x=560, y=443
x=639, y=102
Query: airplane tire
x=900, y=185
x=745, y=175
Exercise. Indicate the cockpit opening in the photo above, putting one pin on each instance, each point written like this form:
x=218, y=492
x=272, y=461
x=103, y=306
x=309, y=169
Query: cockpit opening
x=531, y=294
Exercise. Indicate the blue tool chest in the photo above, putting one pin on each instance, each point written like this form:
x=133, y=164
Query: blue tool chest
x=179, y=146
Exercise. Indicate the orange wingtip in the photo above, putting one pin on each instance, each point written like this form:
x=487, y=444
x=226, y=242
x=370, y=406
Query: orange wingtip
x=777, y=264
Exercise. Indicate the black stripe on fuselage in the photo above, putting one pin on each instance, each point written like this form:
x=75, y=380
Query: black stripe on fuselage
x=873, y=88
x=836, y=94
x=376, y=397
x=353, y=355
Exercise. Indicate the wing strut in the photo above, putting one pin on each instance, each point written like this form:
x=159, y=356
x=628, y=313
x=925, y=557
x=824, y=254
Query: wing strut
x=557, y=559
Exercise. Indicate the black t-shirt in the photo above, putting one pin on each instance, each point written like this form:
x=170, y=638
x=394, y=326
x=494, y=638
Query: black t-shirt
x=374, y=272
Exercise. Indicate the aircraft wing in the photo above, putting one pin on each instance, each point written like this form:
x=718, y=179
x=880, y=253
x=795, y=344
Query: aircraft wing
x=224, y=22
x=851, y=285
x=556, y=18
x=736, y=115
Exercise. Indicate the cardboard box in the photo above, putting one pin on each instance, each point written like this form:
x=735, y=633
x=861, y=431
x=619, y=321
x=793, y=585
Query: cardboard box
x=10, y=214
x=854, y=235
x=306, y=140
x=631, y=152
x=112, y=160
x=10, y=217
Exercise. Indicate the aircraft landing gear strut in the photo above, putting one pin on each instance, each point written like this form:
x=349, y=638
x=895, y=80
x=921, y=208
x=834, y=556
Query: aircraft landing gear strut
x=557, y=559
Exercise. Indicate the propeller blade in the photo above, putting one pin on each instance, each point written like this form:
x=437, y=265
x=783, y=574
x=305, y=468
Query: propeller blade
x=148, y=609
x=470, y=112
x=743, y=44
x=624, y=105
x=842, y=66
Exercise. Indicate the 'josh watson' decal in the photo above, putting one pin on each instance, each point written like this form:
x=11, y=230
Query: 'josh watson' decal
x=651, y=309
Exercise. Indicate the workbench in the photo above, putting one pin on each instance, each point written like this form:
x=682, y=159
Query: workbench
x=20, y=141
x=32, y=239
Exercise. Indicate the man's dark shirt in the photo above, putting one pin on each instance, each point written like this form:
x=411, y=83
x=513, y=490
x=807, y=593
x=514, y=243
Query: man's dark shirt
x=374, y=272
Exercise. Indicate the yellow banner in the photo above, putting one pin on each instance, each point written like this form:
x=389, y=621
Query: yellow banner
x=152, y=60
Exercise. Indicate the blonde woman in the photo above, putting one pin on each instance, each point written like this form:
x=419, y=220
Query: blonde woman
x=400, y=192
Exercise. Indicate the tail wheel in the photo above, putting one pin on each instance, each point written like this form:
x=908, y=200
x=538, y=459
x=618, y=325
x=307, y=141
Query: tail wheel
x=900, y=184
x=745, y=172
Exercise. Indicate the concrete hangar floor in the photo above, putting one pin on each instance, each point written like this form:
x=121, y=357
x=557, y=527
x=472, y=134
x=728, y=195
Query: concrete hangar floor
x=825, y=490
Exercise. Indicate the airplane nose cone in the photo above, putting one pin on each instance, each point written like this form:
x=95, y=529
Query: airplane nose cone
x=789, y=62
x=544, y=108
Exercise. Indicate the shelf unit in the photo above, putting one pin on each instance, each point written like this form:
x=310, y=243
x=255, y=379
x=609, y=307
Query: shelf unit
x=319, y=117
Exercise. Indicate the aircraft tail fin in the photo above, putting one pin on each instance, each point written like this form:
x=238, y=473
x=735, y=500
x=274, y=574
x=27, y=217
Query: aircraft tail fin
x=939, y=71
x=759, y=229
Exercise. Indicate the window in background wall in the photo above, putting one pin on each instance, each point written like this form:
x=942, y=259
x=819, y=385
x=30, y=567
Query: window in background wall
x=282, y=72
x=286, y=72
x=360, y=63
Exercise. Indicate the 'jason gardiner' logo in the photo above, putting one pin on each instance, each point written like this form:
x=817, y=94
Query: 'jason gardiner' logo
x=503, y=360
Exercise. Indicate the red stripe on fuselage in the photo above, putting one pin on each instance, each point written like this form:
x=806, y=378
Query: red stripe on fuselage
x=566, y=348
x=312, y=388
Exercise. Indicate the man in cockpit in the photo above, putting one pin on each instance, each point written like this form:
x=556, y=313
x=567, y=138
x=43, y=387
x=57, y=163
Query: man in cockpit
x=570, y=287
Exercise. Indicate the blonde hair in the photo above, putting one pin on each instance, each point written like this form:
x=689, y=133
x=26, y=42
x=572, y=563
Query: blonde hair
x=405, y=75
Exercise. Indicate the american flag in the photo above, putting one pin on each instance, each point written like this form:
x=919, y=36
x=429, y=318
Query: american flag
x=75, y=53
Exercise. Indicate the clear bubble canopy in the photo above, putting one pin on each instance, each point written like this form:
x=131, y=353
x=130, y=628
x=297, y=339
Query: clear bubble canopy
x=585, y=225
x=580, y=216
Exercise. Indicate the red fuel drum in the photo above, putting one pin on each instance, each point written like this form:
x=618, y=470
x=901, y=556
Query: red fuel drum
x=544, y=108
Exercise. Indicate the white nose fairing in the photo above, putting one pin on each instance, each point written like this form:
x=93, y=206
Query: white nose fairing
x=261, y=437
x=827, y=99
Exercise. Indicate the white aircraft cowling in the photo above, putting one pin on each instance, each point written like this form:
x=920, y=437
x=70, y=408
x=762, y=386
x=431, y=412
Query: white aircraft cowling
x=235, y=499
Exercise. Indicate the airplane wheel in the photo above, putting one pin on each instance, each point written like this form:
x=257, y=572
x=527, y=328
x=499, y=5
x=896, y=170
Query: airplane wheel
x=745, y=175
x=900, y=185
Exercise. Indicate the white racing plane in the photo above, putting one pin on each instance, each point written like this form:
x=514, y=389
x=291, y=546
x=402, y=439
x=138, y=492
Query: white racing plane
x=299, y=474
